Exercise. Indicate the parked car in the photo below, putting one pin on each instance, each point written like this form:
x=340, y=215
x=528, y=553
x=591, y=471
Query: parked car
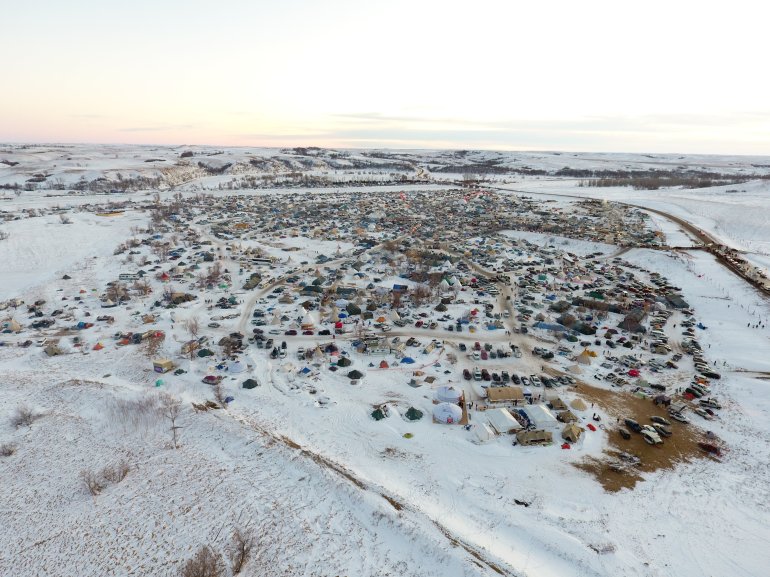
x=633, y=425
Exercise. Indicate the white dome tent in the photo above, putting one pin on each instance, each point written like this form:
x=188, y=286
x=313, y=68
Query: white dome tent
x=447, y=413
x=448, y=394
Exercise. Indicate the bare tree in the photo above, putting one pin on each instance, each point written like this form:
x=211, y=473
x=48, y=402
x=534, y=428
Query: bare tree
x=151, y=346
x=206, y=563
x=171, y=407
x=7, y=449
x=241, y=548
x=193, y=327
x=4, y=235
x=161, y=250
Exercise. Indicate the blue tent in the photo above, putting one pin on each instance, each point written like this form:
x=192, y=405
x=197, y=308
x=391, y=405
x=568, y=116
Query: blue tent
x=407, y=360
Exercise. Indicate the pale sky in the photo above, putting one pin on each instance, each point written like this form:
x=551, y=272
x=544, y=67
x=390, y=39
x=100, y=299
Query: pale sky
x=674, y=76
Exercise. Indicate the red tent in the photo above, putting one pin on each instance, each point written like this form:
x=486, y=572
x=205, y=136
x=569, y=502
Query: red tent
x=590, y=426
x=384, y=364
x=338, y=325
x=633, y=373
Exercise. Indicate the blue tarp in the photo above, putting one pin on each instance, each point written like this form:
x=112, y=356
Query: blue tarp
x=551, y=327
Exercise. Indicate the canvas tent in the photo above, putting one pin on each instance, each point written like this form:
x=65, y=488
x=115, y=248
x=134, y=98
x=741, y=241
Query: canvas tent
x=482, y=433
x=540, y=416
x=584, y=358
x=571, y=433
x=448, y=394
x=502, y=421
x=538, y=437
x=447, y=413
x=505, y=395
x=578, y=405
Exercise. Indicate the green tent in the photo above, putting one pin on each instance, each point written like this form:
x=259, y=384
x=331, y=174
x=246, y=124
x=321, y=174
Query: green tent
x=413, y=414
x=250, y=384
x=205, y=353
x=377, y=414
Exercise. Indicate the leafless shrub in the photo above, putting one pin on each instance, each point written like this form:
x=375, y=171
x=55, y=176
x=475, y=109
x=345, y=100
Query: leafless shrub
x=7, y=449
x=4, y=235
x=241, y=548
x=64, y=219
x=24, y=416
x=206, y=563
x=116, y=473
x=92, y=482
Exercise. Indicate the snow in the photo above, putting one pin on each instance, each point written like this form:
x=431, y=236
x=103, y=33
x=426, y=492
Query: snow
x=325, y=501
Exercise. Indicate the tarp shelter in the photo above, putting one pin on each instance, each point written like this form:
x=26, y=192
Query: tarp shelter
x=540, y=416
x=502, y=421
x=162, y=365
x=250, y=384
x=236, y=367
x=447, y=413
x=413, y=414
x=571, y=433
x=448, y=394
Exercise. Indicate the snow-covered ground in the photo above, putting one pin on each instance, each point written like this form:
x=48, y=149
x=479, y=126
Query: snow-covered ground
x=340, y=493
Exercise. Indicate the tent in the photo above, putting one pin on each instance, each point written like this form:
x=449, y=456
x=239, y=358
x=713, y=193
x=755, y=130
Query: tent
x=236, y=367
x=344, y=362
x=447, y=413
x=384, y=364
x=250, y=384
x=505, y=395
x=407, y=360
x=502, y=421
x=578, y=405
x=540, y=416
x=378, y=414
x=584, y=358
x=567, y=417
x=534, y=437
x=571, y=433
x=355, y=374
x=448, y=394
x=413, y=414
x=558, y=405
x=482, y=433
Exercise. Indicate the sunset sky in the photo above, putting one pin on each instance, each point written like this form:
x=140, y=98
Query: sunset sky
x=675, y=76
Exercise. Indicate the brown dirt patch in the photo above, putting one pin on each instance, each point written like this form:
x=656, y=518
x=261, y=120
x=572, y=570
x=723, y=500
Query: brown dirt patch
x=613, y=473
